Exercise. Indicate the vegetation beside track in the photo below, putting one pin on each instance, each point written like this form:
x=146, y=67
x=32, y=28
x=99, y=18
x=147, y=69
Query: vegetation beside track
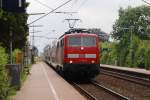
x=5, y=89
x=131, y=45
x=14, y=29
x=15, y=23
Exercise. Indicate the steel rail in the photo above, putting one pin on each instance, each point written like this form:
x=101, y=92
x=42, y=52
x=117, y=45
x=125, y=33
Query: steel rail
x=127, y=72
x=123, y=74
x=121, y=97
x=134, y=79
x=87, y=94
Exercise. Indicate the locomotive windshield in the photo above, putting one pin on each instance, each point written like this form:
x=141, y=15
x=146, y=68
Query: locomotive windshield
x=82, y=41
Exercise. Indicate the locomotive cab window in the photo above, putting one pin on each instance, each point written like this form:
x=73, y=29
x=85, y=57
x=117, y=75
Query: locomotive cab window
x=82, y=41
x=74, y=41
x=88, y=41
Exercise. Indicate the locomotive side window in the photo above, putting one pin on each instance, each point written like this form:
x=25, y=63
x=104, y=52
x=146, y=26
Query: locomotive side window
x=62, y=42
x=58, y=44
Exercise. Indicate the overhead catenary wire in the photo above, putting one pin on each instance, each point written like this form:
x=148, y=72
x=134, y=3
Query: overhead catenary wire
x=50, y=11
x=43, y=4
x=76, y=5
x=73, y=4
x=52, y=8
x=146, y=2
x=44, y=37
x=84, y=1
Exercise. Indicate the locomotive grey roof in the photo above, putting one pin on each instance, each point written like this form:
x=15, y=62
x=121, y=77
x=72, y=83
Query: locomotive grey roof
x=102, y=35
x=77, y=30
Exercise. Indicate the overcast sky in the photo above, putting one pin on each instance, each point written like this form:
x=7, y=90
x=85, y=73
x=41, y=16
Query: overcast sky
x=93, y=14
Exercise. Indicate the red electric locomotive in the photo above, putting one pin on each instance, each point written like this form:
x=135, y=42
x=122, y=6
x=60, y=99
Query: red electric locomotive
x=77, y=54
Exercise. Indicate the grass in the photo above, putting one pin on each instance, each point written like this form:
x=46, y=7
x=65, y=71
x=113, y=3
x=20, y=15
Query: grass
x=25, y=73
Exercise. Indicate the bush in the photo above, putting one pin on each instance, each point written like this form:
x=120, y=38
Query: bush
x=108, y=53
x=4, y=81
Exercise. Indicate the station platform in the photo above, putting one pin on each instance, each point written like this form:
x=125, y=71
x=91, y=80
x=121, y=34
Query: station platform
x=45, y=84
x=137, y=70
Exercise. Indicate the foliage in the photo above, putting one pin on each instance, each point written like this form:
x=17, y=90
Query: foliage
x=14, y=23
x=143, y=54
x=4, y=82
x=135, y=20
x=147, y=56
x=108, y=53
x=132, y=31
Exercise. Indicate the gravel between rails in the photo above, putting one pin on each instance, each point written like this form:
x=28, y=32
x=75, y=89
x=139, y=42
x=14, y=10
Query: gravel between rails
x=99, y=93
x=129, y=89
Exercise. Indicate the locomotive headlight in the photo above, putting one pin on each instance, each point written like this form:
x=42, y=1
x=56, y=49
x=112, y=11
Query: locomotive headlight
x=93, y=61
x=70, y=61
x=82, y=48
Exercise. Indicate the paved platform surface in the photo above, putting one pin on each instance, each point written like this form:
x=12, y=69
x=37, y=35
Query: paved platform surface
x=144, y=71
x=45, y=84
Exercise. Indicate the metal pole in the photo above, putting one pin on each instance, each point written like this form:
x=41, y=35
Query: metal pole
x=33, y=36
x=33, y=45
x=11, y=59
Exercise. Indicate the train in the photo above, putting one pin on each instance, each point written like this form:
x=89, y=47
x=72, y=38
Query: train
x=76, y=54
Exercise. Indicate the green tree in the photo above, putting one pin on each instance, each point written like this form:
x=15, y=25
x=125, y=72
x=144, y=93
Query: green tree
x=15, y=23
x=133, y=19
x=130, y=30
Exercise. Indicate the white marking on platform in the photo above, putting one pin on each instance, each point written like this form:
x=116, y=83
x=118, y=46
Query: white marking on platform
x=50, y=84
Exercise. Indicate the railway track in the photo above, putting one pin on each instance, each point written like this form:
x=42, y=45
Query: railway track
x=88, y=95
x=96, y=91
x=127, y=76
